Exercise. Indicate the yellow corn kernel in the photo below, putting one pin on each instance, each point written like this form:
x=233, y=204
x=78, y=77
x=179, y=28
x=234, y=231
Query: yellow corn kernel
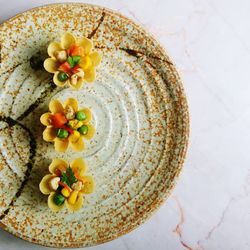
x=72, y=197
x=75, y=136
x=65, y=192
x=72, y=123
x=75, y=124
x=79, y=124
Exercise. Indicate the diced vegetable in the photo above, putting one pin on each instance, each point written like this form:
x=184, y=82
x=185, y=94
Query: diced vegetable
x=72, y=197
x=71, y=61
x=62, y=133
x=65, y=67
x=75, y=50
x=83, y=129
x=62, y=77
x=65, y=192
x=74, y=79
x=61, y=55
x=76, y=69
x=59, y=199
x=77, y=186
x=69, y=177
x=59, y=170
x=54, y=183
x=80, y=73
x=76, y=59
x=71, y=131
x=75, y=124
x=75, y=136
x=58, y=120
x=69, y=112
x=76, y=173
x=80, y=115
x=65, y=185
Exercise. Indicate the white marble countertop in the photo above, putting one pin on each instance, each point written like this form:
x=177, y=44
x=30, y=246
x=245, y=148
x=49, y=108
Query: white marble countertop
x=209, y=42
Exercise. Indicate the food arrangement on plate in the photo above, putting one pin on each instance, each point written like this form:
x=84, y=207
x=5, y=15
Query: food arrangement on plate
x=66, y=125
x=130, y=126
x=66, y=184
x=72, y=62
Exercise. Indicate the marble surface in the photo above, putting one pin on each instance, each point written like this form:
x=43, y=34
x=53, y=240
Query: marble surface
x=209, y=42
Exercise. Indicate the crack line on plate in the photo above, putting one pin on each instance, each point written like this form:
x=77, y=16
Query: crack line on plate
x=11, y=122
x=98, y=25
x=136, y=53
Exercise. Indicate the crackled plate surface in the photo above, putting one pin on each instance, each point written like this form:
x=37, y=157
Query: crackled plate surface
x=140, y=113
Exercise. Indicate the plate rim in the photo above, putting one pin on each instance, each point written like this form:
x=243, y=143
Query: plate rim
x=185, y=131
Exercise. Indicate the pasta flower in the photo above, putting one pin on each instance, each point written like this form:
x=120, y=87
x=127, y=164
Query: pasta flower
x=66, y=184
x=66, y=125
x=72, y=61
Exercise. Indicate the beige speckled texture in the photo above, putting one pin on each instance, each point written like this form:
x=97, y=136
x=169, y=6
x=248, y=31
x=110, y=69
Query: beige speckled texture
x=139, y=111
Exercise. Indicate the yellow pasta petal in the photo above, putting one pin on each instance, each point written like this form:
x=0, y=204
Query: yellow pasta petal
x=43, y=186
x=78, y=204
x=50, y=65
x=71, y=102
x=88, y=184
x=91, y=132
x=57, y=82
x=95, y=58
x=46, y=119
x=49, y=134
x=88, y=114
x=77, y=145
x=61, y=145
x=51, y=203
x=80, y=165
x=67, y=40
x=86, y=44
x=54, y=47
x=78, y=85
x=55, y=106
x=86, y=62
x=89, y=75
x=55, y=163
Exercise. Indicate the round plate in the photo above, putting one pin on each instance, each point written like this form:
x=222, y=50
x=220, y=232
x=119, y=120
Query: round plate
x=140, y=114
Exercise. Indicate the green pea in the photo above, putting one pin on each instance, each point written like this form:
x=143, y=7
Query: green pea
x=83, y=129
x=59, y=199
x=62, y=133
x=62, y=76
x=80, y=116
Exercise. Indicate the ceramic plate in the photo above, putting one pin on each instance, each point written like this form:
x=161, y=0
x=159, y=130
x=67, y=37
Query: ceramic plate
x=140, y=114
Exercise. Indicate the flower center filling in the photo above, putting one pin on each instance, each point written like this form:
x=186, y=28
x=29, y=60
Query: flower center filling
x=70, y=123
x=67, y=184
x=70, y=64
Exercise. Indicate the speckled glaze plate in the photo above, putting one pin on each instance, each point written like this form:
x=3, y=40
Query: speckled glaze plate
x=139, y=111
